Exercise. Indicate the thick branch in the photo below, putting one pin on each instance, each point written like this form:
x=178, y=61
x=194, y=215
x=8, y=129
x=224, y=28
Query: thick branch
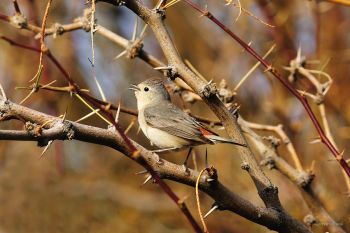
x=300, y=178
x=267, y=191
x=56, y=129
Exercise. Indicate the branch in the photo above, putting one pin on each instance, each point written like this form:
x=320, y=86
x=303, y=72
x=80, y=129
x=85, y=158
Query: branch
x=154, y=18
x=340, y=2
x=267, y=191
x=132, y=149
x=274, y=72
x=56, y=129
x=301, y=179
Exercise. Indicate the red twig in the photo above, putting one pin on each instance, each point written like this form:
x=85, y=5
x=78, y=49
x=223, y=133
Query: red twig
x=180, y=203
x=300, y=97
x=5, y=17
x=14, y=43
x=110, y=117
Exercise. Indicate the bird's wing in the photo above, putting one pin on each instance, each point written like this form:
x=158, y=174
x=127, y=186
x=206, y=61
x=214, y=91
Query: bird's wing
x=171, y=119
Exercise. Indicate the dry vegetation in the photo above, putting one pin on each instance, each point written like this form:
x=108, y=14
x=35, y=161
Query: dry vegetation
x=76, y=186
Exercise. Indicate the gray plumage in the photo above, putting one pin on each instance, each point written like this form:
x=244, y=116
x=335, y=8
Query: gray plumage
x=166, y=125
x=175, y=122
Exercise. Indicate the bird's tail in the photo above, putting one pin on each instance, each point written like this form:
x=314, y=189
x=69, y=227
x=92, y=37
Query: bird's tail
x=216, y=139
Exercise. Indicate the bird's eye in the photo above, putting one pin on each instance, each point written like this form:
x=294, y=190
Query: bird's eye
x=146, y=89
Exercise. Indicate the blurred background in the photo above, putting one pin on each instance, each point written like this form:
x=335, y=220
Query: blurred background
x=80, y=187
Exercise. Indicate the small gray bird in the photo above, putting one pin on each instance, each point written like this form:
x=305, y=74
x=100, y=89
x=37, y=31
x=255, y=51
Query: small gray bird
x=166, y=125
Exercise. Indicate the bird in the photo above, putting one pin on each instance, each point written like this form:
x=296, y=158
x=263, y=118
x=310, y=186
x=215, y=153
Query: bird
x=165, y=124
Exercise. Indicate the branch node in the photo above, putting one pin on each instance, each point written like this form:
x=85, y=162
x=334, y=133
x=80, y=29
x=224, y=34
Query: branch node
x=270, y=193
x=212, y=173
x=214, y=206
x=58, y=30
x=134, y=48
x=319, y=98
x=245, y=166
x=275, y=142
x=209, y=90
x=169, y=71
x=268, y=162
x=85, y=20
x=226, y=95
x=304, y=179
x=309, y=220
x=33, y=129
x=68, y=130
x=19, y=20
x=160, y=12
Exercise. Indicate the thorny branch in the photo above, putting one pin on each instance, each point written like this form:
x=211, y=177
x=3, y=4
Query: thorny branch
x=273, y=71
x=301, y=178
x=154, y=18
x=117, y=39
x=58, y=129
x=266, y=190
x=105, y=110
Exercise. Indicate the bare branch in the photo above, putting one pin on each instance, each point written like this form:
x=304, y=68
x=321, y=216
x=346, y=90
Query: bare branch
x=55, y=129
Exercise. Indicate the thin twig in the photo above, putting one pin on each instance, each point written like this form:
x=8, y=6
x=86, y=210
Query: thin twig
x=253, y=68
x=273, y=71
x=92, y=30
x=126, y=140
x=198, y=202
x=228, y=2
x=279, y=130
x=341, y=2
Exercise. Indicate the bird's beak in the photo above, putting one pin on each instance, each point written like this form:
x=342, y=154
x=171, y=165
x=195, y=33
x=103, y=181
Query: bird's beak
x=134, y=87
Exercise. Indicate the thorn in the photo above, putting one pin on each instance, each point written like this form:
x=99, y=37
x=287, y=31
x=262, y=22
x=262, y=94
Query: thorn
x=159, y=4
x=138, y=130
x=130, y=125
x=3, y=92
x=32, y=91
x=312, y=167
x=88, y=115
x=135, y=30
x=141, y=172
x=120, y=55
x=118, y=112
x=341, y=155
x=163, y=68
x=65, y=114
x=164, y=149
x=143, y=32
x=269, y=68
x=236, y=110
x=316, y=140
x=46, y=148
x=206, y=157
x=211, y=211
x=169, y=4
x=287, y=68
x=185, y=198
x=147, y=179
x=98, y=85
x=298, y=58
